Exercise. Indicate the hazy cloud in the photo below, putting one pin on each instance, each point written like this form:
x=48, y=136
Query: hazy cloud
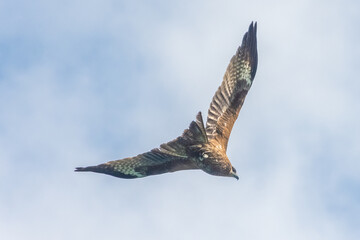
x=83, y=82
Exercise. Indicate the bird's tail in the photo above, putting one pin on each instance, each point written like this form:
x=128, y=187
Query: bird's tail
x=196, y=132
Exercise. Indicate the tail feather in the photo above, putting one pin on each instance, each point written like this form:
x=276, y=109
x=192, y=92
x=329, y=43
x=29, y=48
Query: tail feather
x=196, y=132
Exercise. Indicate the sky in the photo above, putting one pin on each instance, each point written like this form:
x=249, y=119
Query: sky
x=86, y=82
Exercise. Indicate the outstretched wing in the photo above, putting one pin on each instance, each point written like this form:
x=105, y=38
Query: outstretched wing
x=226, y=104
x=146, y=164
x=169, y=157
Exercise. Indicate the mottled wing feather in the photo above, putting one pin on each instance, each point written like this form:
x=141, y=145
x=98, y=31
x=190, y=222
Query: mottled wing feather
x=146, y=164
x=169, y=157
x=228, y=99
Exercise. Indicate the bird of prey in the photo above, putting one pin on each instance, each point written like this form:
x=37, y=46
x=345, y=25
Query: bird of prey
x=199, y=147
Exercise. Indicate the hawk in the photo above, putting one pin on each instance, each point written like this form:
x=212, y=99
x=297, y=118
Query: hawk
x=199, y=147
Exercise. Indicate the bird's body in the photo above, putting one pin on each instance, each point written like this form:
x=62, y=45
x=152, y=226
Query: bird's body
x=199, y=147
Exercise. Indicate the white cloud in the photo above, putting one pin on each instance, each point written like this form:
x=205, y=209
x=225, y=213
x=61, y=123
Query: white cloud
x=98, y=81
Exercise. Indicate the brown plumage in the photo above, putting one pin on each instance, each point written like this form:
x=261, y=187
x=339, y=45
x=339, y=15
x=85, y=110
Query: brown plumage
x=199, y=147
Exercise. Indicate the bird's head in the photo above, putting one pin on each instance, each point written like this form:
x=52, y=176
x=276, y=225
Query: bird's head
x=215, y=161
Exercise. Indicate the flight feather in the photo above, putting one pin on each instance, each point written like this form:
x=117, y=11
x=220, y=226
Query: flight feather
x=229, y=98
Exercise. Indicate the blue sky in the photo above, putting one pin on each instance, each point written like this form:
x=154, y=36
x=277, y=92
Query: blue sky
x=85, y=82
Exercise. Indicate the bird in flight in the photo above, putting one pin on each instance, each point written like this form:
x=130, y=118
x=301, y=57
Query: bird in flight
x=199, y=147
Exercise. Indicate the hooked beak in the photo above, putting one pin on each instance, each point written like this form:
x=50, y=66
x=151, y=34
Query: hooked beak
x=234, y=175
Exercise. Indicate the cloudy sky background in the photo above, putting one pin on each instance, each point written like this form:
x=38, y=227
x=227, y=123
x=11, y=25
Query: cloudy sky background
x=84, y=82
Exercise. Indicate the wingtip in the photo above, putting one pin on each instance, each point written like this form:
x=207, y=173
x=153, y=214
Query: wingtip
x=249, y=45
x=249, y=38
x=253, y=25
x=80, y=169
